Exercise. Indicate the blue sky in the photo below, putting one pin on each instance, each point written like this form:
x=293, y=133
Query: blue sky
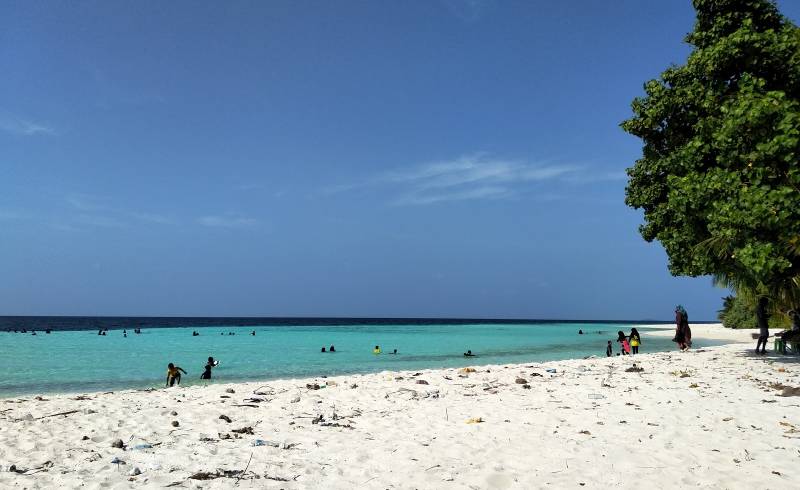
x=424, y=158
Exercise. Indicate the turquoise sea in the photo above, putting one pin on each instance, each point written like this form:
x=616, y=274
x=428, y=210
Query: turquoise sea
x=83, y=361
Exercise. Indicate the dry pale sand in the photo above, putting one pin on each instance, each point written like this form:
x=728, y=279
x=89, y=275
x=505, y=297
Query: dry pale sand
x=713, y=418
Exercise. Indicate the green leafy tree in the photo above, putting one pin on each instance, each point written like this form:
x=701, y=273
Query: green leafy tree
x=740, y=312
x=737, y=313
x=719, y=180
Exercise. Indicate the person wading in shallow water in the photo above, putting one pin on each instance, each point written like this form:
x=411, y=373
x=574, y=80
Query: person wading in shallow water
x=636, y=341
x=174, y=374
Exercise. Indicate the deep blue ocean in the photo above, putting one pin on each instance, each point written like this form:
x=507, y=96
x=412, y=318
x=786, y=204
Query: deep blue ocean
x=74, y=358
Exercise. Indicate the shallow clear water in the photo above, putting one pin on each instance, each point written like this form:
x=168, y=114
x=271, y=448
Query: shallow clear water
x=80, y=361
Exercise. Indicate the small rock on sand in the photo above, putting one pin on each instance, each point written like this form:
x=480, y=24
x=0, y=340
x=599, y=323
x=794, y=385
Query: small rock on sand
x=136, y=471
x=230, y=390
x=421, y=382
x=175, y=423
x=521, y=381
x=225, y=418
x=117, y=444
x=173, y=413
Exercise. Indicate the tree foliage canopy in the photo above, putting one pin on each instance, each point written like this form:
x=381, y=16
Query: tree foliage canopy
x=719, y=180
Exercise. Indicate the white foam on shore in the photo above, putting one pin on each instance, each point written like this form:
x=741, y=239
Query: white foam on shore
x=710, y=418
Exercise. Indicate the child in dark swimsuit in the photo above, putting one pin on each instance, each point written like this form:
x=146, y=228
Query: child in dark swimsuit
x=207, y=370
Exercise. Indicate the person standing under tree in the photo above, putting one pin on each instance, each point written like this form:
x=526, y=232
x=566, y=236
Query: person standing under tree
x=762, y=318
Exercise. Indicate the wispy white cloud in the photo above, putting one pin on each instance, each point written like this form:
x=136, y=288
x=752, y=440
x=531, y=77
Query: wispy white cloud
x=158, y=219
x=462, y=195
x=22, y=127
x=470, y=177
x=84, y=202
x=10, y=215
x=468, y=11
x=98, y=221
x=226, y=221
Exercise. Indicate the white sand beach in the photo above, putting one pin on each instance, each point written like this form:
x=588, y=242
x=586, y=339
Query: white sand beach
x=710, y=418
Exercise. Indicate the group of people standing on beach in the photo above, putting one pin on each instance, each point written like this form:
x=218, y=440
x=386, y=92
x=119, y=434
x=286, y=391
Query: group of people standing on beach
x=628, y=344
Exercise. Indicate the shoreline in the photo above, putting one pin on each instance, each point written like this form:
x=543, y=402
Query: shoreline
x=706, y=331
x=708, y=417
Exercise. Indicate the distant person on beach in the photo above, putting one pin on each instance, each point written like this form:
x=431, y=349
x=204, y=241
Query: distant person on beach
x=636, y=340
x=469, y=354
x=323, y=349
x=683, y=334
x=609, y=349
x=580, y=332
x=762, y=319
x=174, y=374
x=376, y=350
x=625, y=347
x=332, y=349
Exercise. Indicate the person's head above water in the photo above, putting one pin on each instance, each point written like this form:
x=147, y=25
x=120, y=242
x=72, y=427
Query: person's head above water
x=171, y=366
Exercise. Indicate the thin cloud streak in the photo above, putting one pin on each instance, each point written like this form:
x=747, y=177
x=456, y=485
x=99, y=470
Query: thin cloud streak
x=470, y=177
x=217, y=221
x=22, y=127
x=154, y=218
x=466, y=195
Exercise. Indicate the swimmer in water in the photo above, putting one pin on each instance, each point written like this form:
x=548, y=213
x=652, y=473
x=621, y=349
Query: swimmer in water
x=469, y=354
x=207, y=369
x=174, y=374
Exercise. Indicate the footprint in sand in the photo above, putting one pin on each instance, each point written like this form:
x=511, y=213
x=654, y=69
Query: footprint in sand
x=498, y=481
